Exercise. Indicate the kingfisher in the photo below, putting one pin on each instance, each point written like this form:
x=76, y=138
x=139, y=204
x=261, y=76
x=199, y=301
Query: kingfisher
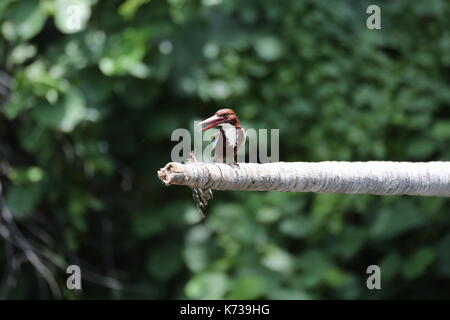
x=227, y=141
x=230, y=136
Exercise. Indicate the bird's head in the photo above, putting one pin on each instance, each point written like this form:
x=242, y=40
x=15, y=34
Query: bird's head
x=220, y=117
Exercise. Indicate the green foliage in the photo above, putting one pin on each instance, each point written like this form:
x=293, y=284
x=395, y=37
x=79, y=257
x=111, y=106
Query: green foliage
x=94, y=102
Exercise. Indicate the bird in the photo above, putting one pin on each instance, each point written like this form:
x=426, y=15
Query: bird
x=229, y=138
x=226, y=142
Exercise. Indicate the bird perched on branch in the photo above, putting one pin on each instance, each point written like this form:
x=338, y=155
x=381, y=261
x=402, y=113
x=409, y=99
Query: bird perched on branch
x=230, y=137
x=227, y=141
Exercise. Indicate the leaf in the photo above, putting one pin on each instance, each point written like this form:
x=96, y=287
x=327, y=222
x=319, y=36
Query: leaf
x=298, y=227
x=268, y=215
x=196, y=258
x=164, y=261
x=351, y=242
x=315, y=265
x=421, y=148
x=125, y=52
x=283, y=293
x=392, y=222
x=211, y=285
x=248, y=287
x=390, y=266
x=23, y=199
x=269, y=48
x=334, y=277
x=63, y=115
x=16, y=104
x=277, y=260
x=3, y=5
x=128, y=8
x=417, y=264
x=23, y=176
x=441, y=130
x=21, y=53
x=27, y=18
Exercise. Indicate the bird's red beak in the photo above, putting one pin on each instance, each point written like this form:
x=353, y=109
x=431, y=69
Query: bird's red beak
x=212, y=122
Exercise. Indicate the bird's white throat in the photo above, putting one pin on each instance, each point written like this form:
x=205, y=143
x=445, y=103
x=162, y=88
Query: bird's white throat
x=230, y=133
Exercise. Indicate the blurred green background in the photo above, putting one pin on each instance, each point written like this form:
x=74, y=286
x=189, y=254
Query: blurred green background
x=97, y=87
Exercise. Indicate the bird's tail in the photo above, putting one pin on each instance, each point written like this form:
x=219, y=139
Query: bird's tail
x=200, y=196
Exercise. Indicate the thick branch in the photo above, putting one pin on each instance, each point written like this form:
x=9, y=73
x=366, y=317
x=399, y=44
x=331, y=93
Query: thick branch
x=374, y=177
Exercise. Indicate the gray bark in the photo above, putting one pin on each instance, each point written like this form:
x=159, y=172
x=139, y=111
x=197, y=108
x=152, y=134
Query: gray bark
x=373, y=177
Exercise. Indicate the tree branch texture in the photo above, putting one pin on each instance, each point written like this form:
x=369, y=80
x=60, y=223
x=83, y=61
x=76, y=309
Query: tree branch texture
x=373, y=177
